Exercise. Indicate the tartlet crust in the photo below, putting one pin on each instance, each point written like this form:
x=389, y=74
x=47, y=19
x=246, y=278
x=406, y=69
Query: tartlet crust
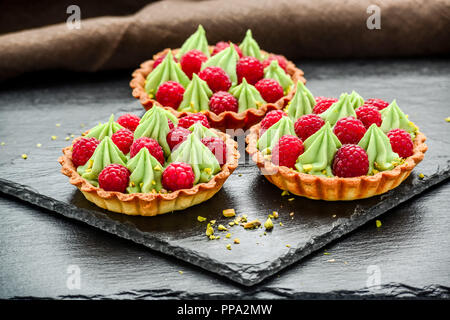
x=225, y=120
x=334, y=188
x=151, y=204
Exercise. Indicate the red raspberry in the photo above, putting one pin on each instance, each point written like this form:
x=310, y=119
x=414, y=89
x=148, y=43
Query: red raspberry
x=217, y=147
x=129, y=121
x=223, y=45
x=223, y=101
x=176, y=136
x=151, y=144
x=349, y=130
x=123, y=139
x=401, y=142
x=216, y=78
x=270, y=90
x=178, y=175
x=170, y=123
x=170, y=94
x=287, y=150
x=189, y=120
x=322, y=104
x=114, y=177
x=160, y=59
x=83, y=150
x=368, y=115
x=350, y=161
x=191, y=62
x=307, y=125
x=282, y=62
x=271, y=118
x=251, y=69
x=378, y=103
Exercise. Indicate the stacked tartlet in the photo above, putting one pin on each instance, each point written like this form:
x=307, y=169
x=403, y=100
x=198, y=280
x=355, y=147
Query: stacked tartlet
x=152, y=165
x=336, y=149
x=233, y=86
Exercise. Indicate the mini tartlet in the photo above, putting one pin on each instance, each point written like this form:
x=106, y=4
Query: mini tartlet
x=145, y=193
x=286, y=75
x=313, y=173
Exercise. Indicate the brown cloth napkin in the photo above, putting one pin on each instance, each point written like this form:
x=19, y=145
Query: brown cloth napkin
x=296, y=28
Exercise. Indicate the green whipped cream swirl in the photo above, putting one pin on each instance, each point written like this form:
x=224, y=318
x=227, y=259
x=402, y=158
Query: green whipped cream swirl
x=196, y=97
x=247, y=95
x=320, y=149
x=146, y=173
x=154, y=124
x=271, y=136
x=201, y=131
x=302, y=102
x=193, y=152
x=338, y=110
x=167, y=70
x=394, y=118
x=274, y=71
x=104, y=129
x=105, y=154
x=379, y=150
x=227, y=60
x=250, y=47
x=197, y=41
x=356, y=100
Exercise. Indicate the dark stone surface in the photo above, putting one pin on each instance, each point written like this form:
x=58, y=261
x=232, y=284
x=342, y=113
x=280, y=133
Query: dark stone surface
x=72, y=102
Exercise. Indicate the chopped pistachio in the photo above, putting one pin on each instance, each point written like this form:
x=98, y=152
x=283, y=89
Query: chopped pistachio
x=240, y=175
x=201, y=219
x=281, y=224
x=229, y=213
x=222, y=228
x=157, y=168
x=208, y=170
x=326, y=253
x=237, y=241
x=268, y=224
x=231, y=223
x=39, y=145
x=421, y=175
x=229, y=246
x=378, y=223
x=447, y=119
x=180, y=272
x=285, y=193
x=212, y=237
x=24, y=156
x=228, y=236
x=333, y=216
x=67, y=138
x=212, y=222
x=58, y=124
x=2, y=143
x=275, y=214
x=209, y=230
x=291, y=199
x=307, y=167
x=54, y=137
x=288, y=245
x=252, y=224
x=244, y=218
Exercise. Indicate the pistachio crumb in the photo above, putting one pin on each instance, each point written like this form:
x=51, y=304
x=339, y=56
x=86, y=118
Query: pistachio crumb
x=201, y=219
x=222, y=228
x=291, y=199
x=288, y=245
x=54, y=137
x=326, y=253
x=58, y=124
x=244, y=218
x=275, y=214
x=2, y=143
x=67, y=138
x=307, y=167
x=447, y=119
x=285, y=193
x=333, y=216
x=231, y=223
x=24, y=156
x=209, y=230
x=237, y=241
x=38, y=145
x=229, y=246
x=180, y=272
x=378, y=223
x=229, y=213
x=268, y=224
x=212, y=222
x=228, y=236
x=212, y=237
x=252, y=224
x=281, y=224
x=240, y=175
x=421, y=175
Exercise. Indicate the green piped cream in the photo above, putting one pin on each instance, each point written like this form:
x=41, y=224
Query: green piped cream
x=105, y=154
x=104, y=129
x=338, y=110
x=274, y=71
x=227, y=60
x=196, y=97
x=196, y=41
x=356, y=100
x=167, y=70
x=146, y=173
x=198, y=156
x=250, y=47
x=247, y=95
x=201, y=131
x=379, y=150
x=302, y=102
x=271, y=136
x=320, y=149
x=394, y=118
x=154, y=124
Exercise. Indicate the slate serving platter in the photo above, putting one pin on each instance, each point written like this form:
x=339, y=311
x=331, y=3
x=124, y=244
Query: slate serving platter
x=73, y=102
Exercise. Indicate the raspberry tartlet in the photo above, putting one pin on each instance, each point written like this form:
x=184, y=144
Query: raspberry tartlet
x=157, y=168
x=350, y=150
x=259, y=81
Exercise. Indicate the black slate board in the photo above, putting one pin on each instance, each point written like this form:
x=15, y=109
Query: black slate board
x=257, y=256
